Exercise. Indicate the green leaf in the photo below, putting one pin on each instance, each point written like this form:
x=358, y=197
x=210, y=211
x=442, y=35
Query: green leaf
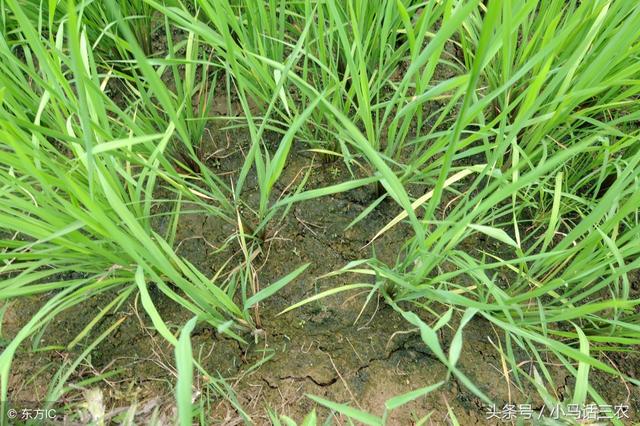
x=496, y=233
x=400, y=400
x=582, y=378
x=326, y=293
x=310, y=419
x=151, y=310
x=184, y=366
x=456, y=343
x=273, y=288
x=352, y=413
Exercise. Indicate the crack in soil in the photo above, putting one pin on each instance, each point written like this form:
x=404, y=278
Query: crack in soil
x=317, y=382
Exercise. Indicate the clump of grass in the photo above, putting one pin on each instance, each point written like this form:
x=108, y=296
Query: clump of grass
x=540, y=125
x=78, y=175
